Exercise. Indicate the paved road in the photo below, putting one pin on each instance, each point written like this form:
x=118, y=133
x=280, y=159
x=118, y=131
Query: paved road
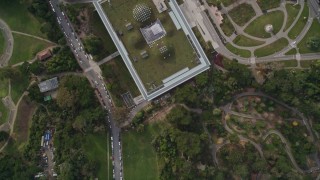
x=97, y=82
x=4, y=59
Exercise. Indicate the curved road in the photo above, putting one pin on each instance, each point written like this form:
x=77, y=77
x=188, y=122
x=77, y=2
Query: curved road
x=5, y=57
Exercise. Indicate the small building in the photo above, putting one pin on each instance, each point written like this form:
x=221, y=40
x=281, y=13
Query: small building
x=48, y=85
x=129, y=26
x=144, y=54
x=161, y=5
x=153, y=32
x=43, y=55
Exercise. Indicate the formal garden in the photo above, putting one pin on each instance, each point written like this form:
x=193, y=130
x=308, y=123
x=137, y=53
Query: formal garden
x=268, y=28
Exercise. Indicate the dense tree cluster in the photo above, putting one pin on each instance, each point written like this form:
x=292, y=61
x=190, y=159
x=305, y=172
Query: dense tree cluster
x=61, y=62
x=182, y=146
x=42, y=10
x=298, y=88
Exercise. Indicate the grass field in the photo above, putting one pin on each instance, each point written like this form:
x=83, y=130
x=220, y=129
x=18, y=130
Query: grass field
x=3, y=113
x=242, y=14
x=224, y=2
x=18, y=87
x=313, y=31
x=17, y=16
x=25, y=48
x=291, y=52
x=97, y=148
x=122, y=82
x=23, y=121
x=227, y=26
x=240, y=52
x=2, y=43
x=268, y=4
x=256, y=28
x=155, y=68
x=290, y=63
x=100, y=31
x=307, y=63
x=139, y=157
x=298, y=27
x=271, y=48
x=3, y=93
x=242, y=40
x=292, y=11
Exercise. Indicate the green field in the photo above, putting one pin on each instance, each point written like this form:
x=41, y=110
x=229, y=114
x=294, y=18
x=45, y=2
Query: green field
x=242, y=40
x=291, y=52
x=271, y=48
x=314, y=31
x=139, y=157
x=268, y=4
x=18, y=87
x=298, y=27
x=155, y=68
x=17, y=16
x=97, y=148
x=3, y=93
x=100, y=31
x=3, y=113
x=293, y=11
x=122, y=82
x=2, y=43
x=25, y=48
x=307, y=63
x=224, y=2
x=240, y=52
x=239, y=17
x=256, y=28
x=227, y=26
x=290, y=63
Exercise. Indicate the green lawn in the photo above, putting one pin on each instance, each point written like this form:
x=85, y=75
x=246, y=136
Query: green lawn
x=25, y=48
x=242, y=14
x=313, y=31
x=116, y=71
x=224, y=2
x=227, y=26
x=256, y=28
x=307, y=63
x=139, y=157
x=2, y=43
x=3, y=113
x=155, y=68
x=240, y=52
x=18, y=87
x=268, y=4
x=97, y=148
x=290, y=63
x=298, y=27
x=292, y=51
x=100, y=31
x=3, y=93
x=17, y=16
x=242, y=40
x=292, y=11
x=271, y=48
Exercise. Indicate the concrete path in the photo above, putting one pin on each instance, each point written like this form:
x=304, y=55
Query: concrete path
x=36, y=37
x=5, y=57
x=108, y=58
